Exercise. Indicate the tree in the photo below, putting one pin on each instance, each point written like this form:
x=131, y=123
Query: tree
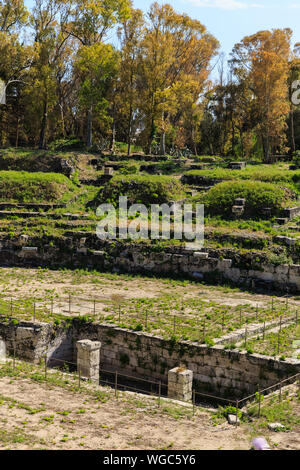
x=91, y=20
x=13, y=15
x=130, y=35
x=96, y=66
x=294, y=76
x=16, y=58
x=52, y=52
x=175, y=49
x=262, y=60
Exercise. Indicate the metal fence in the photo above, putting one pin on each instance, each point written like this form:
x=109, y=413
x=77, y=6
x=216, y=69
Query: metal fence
x=119, y=381
x=196, y=327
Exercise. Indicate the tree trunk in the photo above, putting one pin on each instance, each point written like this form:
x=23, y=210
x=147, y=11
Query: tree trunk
x=42, y=143
x=266, y=148
x=129, y=131
x=17, y=132
x=89, y=140
x=163, y=143
x=292, y=124
x=113, y=135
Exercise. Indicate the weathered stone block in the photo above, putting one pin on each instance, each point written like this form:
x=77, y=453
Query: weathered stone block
x=180, y=382
x=88, y=359
x=2, y=351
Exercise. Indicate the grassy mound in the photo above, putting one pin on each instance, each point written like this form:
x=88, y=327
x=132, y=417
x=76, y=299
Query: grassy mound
x=220, y=199
x=37, y=161
x=142, y=189
x=263, y=173
x=35, y=187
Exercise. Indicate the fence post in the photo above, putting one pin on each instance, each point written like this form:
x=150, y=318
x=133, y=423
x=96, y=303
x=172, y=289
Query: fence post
x=280, y=386
x=45, y=359
x=279, y=333
x=194, y=402
x=116, y=385
x=159, y=393
x=14, y=360
x=237, y=413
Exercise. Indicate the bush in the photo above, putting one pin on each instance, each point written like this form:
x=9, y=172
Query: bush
x=34, y=187
x=264, y=173
x=67, y=145
x=296, y=158
x=142, y=189
x=220, y=199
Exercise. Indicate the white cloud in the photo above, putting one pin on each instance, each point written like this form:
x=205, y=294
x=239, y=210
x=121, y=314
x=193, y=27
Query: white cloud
x=224, y=4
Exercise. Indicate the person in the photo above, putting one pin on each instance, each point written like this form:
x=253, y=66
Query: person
x=260, y=443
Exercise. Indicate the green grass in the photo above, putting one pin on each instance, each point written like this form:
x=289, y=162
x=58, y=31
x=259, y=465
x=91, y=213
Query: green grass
x=285, y=412
x=275, y=344
x=141, y=189
x=167, y=316
x=220, y=199
x=265, y=173
x=35, y=187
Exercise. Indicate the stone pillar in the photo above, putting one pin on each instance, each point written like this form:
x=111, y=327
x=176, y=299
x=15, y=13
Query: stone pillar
x=88, y=359
x=2, y=351
x=180, y=384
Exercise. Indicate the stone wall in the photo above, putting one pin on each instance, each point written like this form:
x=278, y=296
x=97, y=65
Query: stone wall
x=225, y=373
x=79, y=249
x=29, y=339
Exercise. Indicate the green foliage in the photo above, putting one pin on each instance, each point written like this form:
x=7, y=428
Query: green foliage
x=278, y=260
x=64, y=145
x=296, y=158
x=220, y=199
x=229, y=410
x=264, y=173
x=142, y=189
x=34, y=187
x=124, y=359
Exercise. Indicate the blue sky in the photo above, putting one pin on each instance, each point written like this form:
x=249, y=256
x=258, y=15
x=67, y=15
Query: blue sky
x=230, y=20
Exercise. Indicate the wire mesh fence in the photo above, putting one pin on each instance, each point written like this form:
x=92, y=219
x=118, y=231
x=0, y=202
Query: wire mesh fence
x=121, y=382
x=196, y=324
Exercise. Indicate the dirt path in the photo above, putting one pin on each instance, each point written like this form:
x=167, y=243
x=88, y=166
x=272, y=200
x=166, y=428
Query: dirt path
x=37, y=283
x=54, y=418
x=44, y=416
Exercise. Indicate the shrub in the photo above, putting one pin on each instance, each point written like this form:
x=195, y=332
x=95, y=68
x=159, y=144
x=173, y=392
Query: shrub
x=220, y=199
x=67, y=145
x=142, y=189
x=37, y=187
x=296, y=158
x=265, y=173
